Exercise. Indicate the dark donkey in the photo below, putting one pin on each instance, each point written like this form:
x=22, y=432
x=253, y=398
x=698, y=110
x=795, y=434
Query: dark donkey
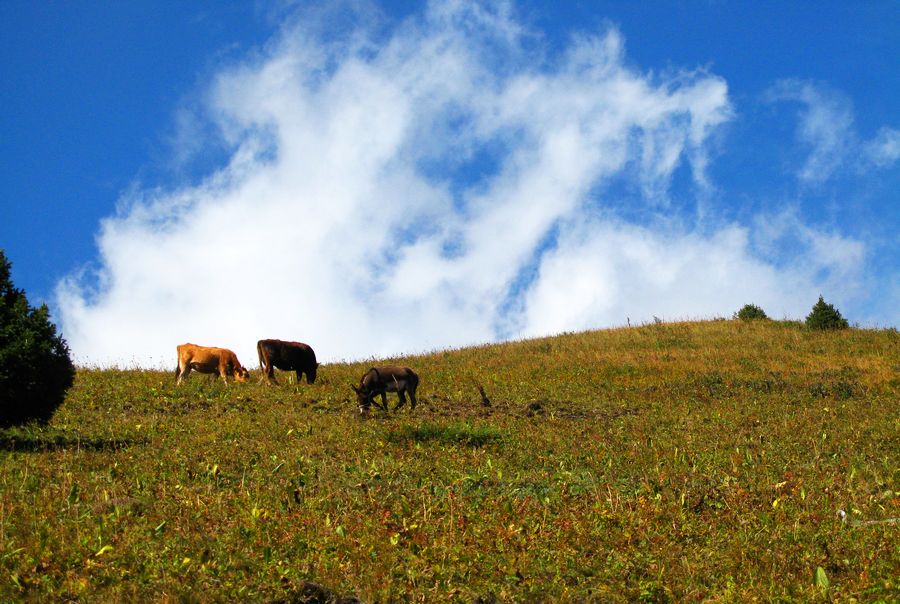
x=381, y=380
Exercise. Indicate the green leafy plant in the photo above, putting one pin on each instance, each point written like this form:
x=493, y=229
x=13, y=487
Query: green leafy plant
x=825, y=316
x=456, y=433
x=35, y=368
x=749, y=312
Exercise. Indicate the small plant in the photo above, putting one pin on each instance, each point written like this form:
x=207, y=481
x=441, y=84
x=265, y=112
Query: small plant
x=825, y=316
x=750, y=312
x=35, y=368
x=457, y=433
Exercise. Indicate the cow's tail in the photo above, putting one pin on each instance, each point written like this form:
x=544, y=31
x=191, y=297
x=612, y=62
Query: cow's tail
x=263, y=362
x=262, y=355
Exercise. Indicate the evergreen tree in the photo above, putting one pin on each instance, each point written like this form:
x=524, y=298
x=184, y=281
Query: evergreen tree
x=35, y=367
x=825, y=316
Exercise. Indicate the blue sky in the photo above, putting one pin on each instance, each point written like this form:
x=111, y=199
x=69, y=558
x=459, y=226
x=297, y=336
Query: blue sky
x=556, y=167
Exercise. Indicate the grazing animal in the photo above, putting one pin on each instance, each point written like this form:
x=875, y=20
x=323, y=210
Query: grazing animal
x=380, y=380
x=205, y=359
x=287, y=356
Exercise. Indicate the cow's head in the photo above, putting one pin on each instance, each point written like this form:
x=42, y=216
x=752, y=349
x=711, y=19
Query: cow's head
x=241, y=375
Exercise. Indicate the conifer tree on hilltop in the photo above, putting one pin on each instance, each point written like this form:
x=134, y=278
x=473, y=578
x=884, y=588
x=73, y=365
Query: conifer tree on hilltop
x=825, y=316
x=35, y=366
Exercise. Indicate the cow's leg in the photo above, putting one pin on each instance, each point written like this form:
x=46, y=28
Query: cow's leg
x=185, y=371
x=267, y=374
x=210, y=377
x=384, y=406
x=401, y=395
x=412, y=398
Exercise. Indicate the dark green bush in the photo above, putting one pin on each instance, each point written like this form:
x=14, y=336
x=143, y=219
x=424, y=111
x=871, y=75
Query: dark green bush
x=750, y=312
x=35, y=367
x=825, y=316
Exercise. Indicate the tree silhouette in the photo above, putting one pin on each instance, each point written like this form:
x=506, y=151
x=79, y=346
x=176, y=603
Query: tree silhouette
x=35, y=367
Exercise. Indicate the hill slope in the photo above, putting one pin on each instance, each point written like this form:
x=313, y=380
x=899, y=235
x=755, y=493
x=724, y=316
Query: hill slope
x=674, y=461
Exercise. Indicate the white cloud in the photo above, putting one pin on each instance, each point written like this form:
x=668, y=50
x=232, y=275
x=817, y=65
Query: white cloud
x=825, y=126
x=826, y=129
x=604, y=273
x=387, y=192
x=884, y=150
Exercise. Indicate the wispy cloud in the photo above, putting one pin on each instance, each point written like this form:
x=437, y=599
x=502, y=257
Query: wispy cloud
x=825, y=126
x=418, y=185
x=826, y=130
x=884, y=150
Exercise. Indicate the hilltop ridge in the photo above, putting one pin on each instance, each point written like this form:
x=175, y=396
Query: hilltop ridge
x=715, y=460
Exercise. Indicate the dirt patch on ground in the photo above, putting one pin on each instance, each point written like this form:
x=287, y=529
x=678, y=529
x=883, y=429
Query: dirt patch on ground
x=313, y=593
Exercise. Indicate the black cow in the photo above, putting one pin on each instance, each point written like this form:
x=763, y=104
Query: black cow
x=287, y=356
x=380, y=380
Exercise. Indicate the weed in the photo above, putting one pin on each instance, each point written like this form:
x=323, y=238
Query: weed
x=456, y=433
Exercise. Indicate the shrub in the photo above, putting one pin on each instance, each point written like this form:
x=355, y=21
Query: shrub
x=35, y=368
x=750, y=312
x=825, y=316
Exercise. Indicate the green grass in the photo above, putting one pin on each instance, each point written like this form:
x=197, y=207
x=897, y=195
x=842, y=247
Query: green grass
x=692, y=461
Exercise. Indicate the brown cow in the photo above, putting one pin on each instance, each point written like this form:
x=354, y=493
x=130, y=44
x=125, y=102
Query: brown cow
x=287, y=356
x=204, y=359
x=380, y=380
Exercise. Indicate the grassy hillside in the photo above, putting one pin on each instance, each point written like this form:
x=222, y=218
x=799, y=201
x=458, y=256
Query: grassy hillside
x=677, y=461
